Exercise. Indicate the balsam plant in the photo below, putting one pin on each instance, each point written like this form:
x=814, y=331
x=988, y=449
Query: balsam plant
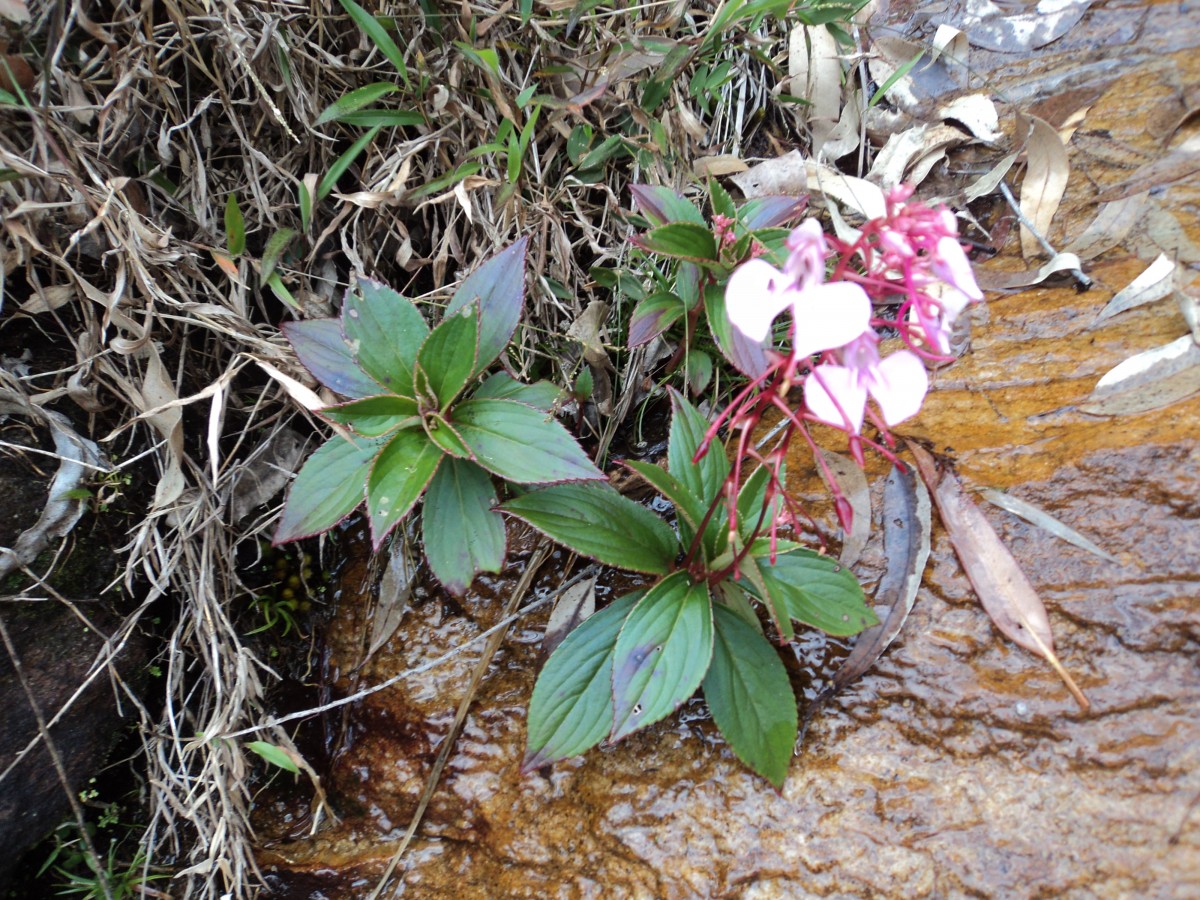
x=638, y=660
x=420, y=421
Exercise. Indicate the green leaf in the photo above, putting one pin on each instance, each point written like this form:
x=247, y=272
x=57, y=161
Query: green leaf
x=689, y=509
x=766, y=212
x=355, y=100
x=814, y=589
x=446, y=436
x=703, y=480
x=662, y=653
x=398, y=478
x=235, y=227
x=388, y=118
x=379, y=37
x=276, y=244
x=375, y=416
x=499, y=286
x=343, y=162
x=447, y=357
x=276, y=756
x=571, y=709
x=385, y=332
x=680, y=240
x=747, y=356
x=463, y=534
x=751, y=499
x=520, y=443
x=722, y=203
x=328, y=487
x=502, y=386
x=306, y=202
x=699, y=371
x=279, y=289
x=595, y=520
x=750, y=697
x=653, y=316
x=661, y=205
x=322, y=349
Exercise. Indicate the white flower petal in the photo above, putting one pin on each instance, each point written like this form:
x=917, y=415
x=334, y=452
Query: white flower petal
x=950, y=264
x=899, y=384
x=827, y=382
x=754, y=296
x=829, y=316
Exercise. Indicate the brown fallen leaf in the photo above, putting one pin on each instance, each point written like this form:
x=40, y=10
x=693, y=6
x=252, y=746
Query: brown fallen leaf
x=1000, y=583
x=1148, y=380
x=852, y=484
x=1045, y=181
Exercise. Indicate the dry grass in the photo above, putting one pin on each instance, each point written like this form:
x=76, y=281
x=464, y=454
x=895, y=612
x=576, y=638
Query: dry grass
x=140, y=123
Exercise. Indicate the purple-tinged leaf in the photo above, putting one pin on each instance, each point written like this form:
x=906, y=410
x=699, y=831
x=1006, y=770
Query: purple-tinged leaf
x=767, y=212
x=322, y=349
x=447, y=356
x=662, y=653
x=463, y=534
x=499, y=286
x=571, y=709
x=653, y=316
x=385, y=332
x=662, y=205
x=747, y=356
x=594, y=520
x=688, y=508
x=329, y=486
x=374, y=416
x=401, y=472
x=520, y=443
x=680, y=240
x=750, y=697
x=502, y=386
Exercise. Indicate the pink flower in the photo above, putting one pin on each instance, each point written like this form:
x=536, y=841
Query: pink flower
x=837, y=394
x=824, y=316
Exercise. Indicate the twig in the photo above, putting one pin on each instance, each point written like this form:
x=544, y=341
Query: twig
x=1082, y=281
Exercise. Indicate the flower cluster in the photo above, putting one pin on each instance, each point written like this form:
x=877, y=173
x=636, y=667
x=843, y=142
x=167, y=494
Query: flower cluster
x=905, y=273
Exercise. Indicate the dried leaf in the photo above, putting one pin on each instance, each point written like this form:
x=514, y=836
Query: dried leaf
x=903, y=151
x=906, y=541
x=1044, y=521
x=573, y=605
x=1113, y=222
x=987, y=26
x=1002, y=281
x=852, y=484
x=977, y=113
x=395, y=591
x=815, y=70
x=1148, y=380
x=987, y=182
x=1180, y=163
x=1000, y=583
x=786, y=175
x=16, y=11
x=1153, y=284
x=1045, y=181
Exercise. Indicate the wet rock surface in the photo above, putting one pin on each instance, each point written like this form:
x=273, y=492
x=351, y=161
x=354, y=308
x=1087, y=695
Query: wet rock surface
x=959, y=766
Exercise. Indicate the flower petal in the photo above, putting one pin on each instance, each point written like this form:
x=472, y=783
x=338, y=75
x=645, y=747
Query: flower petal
x=899, y=384
x=828, y=382
x=755, y=295
x=829, y=316
x=950, y=264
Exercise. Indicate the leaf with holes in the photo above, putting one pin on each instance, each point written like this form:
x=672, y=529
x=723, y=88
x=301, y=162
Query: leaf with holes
x=385, y=332
x=750, y=697
x=571, y=710
x=322, y=349
x=398, y=478
x=662, y=653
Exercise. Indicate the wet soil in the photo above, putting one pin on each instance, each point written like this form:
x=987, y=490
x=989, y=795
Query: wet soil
x=959, y=766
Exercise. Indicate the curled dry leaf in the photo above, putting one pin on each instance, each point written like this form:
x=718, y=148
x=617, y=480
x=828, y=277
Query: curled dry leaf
x=852, y=484
x=1002, y=586
x=1153, y=284
x=1148, y=380
x=572, y=607
x=1003, y=281
x=1113, y=222
x=1045, y=181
